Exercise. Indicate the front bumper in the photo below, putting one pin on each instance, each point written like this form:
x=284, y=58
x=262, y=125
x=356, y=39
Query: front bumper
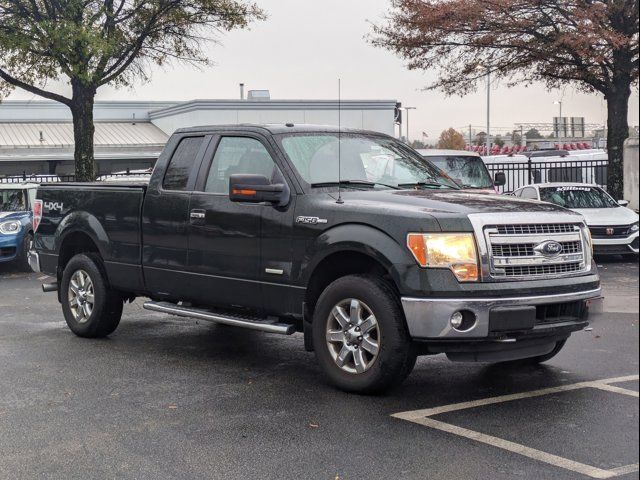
x=616, y=245
x=9, y=247
x=429, y=318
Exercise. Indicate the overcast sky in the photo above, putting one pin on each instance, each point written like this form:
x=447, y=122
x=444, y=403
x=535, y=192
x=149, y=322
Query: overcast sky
x=305, y=45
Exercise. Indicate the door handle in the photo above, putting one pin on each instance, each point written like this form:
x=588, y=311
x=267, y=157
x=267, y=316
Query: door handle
x=197, y=217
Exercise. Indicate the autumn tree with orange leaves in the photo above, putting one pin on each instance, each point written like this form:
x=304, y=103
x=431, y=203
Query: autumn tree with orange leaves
x=451, y=139
x=591, y=44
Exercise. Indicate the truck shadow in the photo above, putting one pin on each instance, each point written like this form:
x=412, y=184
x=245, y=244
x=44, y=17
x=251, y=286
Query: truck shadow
x=282, y=363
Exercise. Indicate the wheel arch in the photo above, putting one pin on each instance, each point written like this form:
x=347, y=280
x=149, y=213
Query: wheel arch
x=350, y=250
x=73, y=243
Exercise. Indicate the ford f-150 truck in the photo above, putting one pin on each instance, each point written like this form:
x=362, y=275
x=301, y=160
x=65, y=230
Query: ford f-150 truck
x=290, y=228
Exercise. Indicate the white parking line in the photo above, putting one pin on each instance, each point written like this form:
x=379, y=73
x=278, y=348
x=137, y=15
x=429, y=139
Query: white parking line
x=422, y=417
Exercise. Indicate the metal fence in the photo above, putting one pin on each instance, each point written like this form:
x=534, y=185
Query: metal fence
x=534, y=171
x=24, y=178
x=517, y=174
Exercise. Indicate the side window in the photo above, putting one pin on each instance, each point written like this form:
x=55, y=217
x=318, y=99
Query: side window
x=238, y=155
x=177, y=175
x=529, y=193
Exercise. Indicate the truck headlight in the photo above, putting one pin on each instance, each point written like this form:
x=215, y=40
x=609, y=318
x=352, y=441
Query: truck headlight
x=11, y=227
x=586, y=231
x=455, y=251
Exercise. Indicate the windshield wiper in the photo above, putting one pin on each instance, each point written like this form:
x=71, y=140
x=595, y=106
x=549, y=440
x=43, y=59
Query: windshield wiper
x=424, y=184
x=356, y=183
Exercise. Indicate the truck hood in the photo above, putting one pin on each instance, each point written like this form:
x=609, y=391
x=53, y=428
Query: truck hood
x=448, y=202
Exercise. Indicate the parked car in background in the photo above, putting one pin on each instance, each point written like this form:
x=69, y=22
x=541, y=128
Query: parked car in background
x=16, y=233
x=613, y=226
x=466, y=168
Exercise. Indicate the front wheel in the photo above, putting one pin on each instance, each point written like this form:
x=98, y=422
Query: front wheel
x=360, y=337
x=23, y=257
x=90, y=307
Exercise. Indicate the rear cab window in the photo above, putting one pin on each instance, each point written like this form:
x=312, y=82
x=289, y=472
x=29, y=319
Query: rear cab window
x=181, y=166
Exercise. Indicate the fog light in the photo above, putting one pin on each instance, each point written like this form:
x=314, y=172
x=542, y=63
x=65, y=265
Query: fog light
x=463, y=320
x=456, y=320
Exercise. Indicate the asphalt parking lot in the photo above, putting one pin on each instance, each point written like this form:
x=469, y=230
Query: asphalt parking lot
x=171, y=398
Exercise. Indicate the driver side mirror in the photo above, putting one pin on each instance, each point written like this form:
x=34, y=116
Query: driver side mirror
x=500, y=179
x=246, y=188
x=623, y=203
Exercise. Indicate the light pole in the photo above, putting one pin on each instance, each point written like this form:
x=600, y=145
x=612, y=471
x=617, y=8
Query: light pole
x=481, y=67
x=560, y=121
x=406, y=109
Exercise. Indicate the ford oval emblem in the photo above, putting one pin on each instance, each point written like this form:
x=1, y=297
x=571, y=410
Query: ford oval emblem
x=550, y=248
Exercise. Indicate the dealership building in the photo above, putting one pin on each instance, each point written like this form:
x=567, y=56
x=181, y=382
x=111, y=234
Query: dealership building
x=36, y=137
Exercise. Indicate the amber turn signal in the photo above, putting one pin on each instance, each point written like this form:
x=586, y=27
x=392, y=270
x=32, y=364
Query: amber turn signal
x=248, y=193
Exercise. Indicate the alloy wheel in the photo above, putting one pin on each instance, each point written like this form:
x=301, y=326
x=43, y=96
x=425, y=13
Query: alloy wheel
x=81, y=296
x=353, y=336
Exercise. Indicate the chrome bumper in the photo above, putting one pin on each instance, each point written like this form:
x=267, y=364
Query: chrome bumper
x=34, y=260
x=430, y=317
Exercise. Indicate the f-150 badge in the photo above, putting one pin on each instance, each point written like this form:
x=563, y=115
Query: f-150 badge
x=311, y=220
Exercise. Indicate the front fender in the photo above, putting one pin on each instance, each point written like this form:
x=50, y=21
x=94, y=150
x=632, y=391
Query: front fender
x=359, y=238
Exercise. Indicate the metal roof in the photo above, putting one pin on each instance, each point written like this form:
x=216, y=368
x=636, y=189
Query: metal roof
x=52, y=134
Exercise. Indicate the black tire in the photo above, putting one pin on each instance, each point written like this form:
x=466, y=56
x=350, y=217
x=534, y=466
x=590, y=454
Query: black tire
x=107, y=305
x=23, y=257
x=395, y=356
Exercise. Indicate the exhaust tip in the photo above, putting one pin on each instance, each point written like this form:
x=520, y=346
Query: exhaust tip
x=49, y=287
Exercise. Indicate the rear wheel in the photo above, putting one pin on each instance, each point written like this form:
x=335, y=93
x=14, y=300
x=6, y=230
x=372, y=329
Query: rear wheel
x=359, y=335
x=90, y=307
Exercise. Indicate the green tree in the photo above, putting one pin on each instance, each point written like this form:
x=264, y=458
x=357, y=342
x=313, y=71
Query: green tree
x=88, y=44
x=497, y=140
x=533, y=133
x=592, y=44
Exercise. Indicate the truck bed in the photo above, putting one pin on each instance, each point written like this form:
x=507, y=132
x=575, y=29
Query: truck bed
x=109, y=213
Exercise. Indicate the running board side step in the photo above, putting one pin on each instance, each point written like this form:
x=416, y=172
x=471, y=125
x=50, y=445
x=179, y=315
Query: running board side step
x=252, y=323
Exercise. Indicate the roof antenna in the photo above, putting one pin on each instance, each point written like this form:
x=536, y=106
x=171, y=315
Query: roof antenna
x=340, y=201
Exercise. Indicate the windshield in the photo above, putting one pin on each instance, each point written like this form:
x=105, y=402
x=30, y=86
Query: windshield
x=12, y=201
x=377, y=161
x=466, y=171
x=577, y=197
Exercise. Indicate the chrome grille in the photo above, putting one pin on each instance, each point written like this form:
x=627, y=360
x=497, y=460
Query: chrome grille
x=527, y=249
x=542, y=270
x=535, y=228
x=524, y=251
